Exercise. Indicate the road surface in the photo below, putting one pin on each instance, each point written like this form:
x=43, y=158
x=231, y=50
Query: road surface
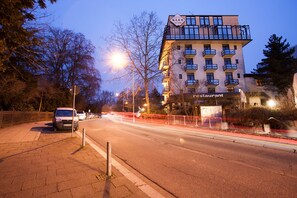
x=186, y=164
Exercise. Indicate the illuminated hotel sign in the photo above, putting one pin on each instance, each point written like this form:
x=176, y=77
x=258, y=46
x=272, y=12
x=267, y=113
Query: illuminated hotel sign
x=177, y=20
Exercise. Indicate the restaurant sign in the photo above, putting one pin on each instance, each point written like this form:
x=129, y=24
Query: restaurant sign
x=220, y=95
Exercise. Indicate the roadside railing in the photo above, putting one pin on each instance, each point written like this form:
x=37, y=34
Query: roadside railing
x=10, y=118
x=226, y=124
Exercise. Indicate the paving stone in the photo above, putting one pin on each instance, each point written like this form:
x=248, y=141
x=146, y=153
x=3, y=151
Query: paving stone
x=45, y=190
x=33, y=183
x=55, y=165
x=83, y=191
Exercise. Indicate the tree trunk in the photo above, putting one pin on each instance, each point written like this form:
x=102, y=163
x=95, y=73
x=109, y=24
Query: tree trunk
x=147, y=98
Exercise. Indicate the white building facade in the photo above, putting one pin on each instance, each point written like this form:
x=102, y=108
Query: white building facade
x=202, y=60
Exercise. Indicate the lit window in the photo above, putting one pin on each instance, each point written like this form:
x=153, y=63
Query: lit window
x=204, y=21
x=217, y=20
x=191, y=20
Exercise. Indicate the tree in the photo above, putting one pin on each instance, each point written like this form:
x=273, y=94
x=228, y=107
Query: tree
x=140, y=39
x=69, y=60
x=279, y=65
x=19, y=54
x=16, y=37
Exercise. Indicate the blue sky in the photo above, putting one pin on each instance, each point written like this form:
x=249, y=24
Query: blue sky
x=95, y=19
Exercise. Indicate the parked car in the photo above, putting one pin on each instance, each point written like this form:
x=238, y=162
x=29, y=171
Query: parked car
x=81, y=115
x=62, y=119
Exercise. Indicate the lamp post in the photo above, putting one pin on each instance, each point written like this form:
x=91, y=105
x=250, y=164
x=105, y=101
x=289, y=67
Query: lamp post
x=133, y=87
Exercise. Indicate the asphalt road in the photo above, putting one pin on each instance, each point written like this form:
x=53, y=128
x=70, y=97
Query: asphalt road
x=186, y=164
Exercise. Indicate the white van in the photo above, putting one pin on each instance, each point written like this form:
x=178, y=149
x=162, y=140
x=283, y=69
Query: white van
x=62, y=119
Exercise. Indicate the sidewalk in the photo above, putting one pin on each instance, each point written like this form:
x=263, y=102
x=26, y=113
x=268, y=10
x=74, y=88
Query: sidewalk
x=36, y=162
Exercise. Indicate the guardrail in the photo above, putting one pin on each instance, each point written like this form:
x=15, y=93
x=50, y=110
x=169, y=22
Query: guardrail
x=10, y=118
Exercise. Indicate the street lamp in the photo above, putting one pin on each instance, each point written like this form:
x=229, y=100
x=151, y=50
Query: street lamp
x=119, y=60
x=271, y=103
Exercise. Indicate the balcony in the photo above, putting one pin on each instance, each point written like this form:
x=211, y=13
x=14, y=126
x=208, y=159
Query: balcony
x=238, y=33
x=228, y=53
x=191, y=67
x=192, y=82
x=208, y=53
x=212, y=83
x=230, y=67
x=231, y=82
x=210, y=67
x=190, y=53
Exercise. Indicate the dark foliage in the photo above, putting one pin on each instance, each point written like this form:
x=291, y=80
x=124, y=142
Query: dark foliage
x=278, y=66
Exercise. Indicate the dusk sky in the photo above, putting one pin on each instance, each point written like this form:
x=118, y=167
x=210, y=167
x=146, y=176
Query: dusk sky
x=95, y=19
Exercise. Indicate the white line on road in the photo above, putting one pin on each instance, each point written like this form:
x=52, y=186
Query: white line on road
x=144, y=187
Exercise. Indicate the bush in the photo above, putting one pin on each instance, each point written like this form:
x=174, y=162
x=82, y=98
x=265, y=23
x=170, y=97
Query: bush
x=258, y=116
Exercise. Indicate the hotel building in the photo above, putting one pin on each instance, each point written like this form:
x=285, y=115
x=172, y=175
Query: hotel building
x=202, y=60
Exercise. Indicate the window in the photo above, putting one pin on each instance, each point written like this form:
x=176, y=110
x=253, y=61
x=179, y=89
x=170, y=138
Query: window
x=180, y=76
x=225, y=47
x=229, y=76
x=208, y=61
x=235, y=47
x=190, y=77
x=259, y=83
x=188, y=47
x=191, y=20
x=207, y=47
x=236, y=60
x=209, y=77
x=189, y=61
x=211, y=90
x=191, y=30
x=178, y=47
x=179, y=61
x=238, y=75
x=191, y=90
x=225, y=30
x=227, y=61
x=217, y=20
x=204, y=20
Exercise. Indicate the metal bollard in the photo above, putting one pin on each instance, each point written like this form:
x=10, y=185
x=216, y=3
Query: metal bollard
x=83, y=137
x=108, y=160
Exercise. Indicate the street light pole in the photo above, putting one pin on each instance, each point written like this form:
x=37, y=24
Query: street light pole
x=133, y=93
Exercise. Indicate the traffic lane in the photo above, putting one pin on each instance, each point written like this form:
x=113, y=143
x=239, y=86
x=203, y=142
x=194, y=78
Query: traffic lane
x=200, y=166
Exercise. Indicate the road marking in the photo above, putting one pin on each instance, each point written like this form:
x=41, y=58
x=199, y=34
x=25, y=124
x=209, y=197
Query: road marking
x=144, y=187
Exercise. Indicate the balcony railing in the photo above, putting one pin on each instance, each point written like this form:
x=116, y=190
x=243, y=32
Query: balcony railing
x=210, y=67
x=230, y=67
x=228, y=53
x=213, y=82
x=192, y=82
x=190, y=52
x=209, y=52
x=231, y=82
x=191, y=67
x=211, y=32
